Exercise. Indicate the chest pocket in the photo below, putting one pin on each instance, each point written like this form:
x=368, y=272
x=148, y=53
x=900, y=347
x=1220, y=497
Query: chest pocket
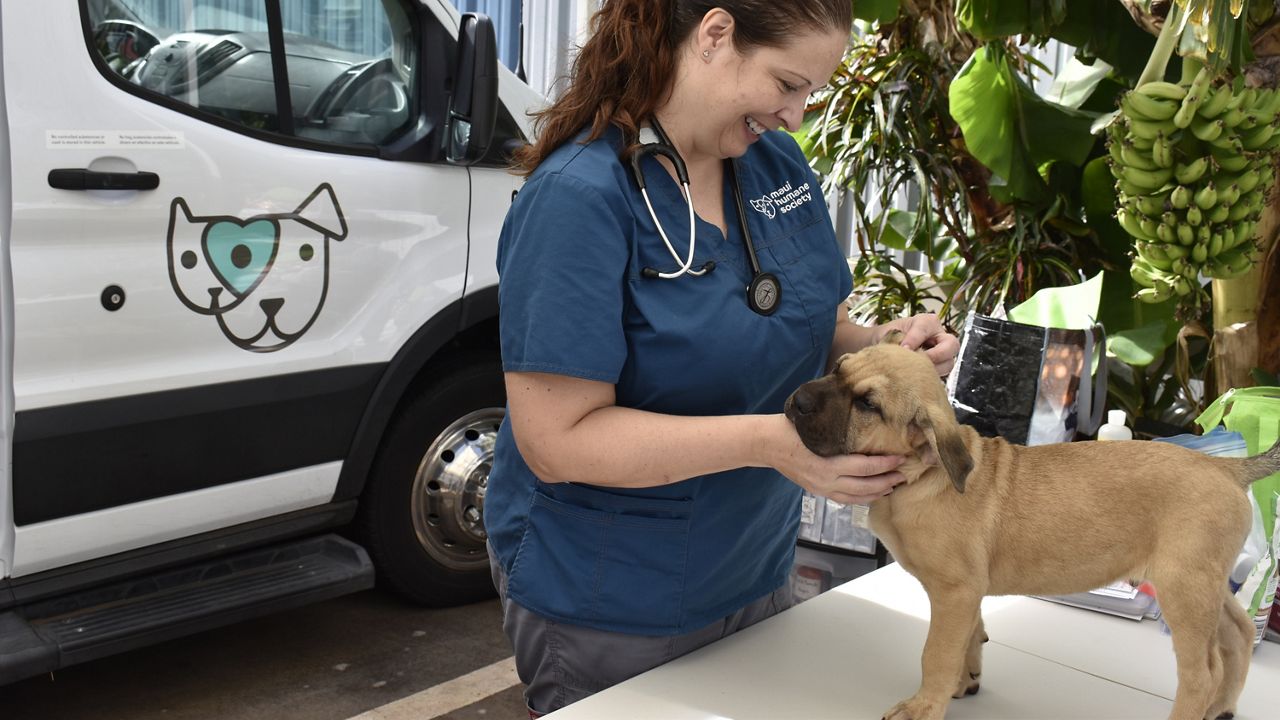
x=810, y=268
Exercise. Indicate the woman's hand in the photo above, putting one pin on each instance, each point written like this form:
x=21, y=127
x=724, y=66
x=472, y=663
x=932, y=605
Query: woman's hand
x=847, y=479
x=925, y=332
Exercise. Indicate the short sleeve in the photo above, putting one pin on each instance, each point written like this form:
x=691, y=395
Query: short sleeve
x=846, y=278
x=562, y=262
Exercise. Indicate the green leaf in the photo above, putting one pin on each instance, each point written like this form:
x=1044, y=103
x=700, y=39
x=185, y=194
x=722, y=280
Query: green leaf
x=876, y=10
x=1098, y=197
x=995, y=19
x=900, y=225
x=1097, y=28
x=1012, y=130
x=1141, y=346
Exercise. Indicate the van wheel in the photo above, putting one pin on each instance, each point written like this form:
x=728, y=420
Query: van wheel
x=422, y=514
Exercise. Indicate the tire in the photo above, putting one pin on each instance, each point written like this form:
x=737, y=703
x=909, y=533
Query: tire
x=422, y=513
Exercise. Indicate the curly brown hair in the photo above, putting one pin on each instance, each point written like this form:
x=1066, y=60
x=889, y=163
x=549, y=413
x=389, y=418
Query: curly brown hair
x=624, y=70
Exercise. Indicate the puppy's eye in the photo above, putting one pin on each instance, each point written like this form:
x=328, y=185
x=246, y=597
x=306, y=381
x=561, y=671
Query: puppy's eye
x=864, y=404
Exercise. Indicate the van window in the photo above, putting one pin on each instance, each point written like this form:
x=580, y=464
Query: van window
x=350, y=64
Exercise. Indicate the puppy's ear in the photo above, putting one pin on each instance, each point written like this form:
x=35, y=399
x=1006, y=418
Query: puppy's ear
x=893, y=337
x=940, y=429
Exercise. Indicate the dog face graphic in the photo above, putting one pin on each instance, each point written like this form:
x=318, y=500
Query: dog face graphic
x=265, y=278
x=765, y=205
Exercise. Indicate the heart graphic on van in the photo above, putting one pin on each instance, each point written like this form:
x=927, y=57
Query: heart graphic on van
x=264, y=278
x=242, y=254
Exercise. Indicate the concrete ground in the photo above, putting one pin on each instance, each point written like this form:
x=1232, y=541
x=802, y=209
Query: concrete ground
x=366, y=655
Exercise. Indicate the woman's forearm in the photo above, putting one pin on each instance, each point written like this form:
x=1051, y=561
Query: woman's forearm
x=849, y=336
x=571, y=430
x=624, y=447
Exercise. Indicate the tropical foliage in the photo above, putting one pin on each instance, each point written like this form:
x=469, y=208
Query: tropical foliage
x=1007, y=191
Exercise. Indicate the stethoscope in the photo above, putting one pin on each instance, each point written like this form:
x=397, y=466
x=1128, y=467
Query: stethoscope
x=764, y=290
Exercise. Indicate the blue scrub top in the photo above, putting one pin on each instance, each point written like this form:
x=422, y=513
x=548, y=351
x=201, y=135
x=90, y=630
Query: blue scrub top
x=665, y=560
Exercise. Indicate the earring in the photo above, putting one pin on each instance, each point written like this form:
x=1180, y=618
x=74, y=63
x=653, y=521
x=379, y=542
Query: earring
x=706, y=55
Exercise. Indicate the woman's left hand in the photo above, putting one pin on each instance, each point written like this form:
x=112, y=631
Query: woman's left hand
x=925, y=332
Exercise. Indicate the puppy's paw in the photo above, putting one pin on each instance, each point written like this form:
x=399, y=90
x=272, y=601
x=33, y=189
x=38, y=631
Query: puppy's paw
x=968, y=685
x=916, y=708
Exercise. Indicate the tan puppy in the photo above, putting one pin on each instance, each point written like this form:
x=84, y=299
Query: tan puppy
x=979, y=516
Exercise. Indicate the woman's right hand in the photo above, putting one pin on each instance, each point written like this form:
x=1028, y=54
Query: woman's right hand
x=846, y=479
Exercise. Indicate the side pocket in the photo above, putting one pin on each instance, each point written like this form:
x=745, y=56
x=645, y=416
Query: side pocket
x=619, y=569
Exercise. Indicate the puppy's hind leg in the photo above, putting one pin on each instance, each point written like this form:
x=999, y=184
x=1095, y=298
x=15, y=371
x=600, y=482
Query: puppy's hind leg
x=971, y=674
x=1235, y=646
x=1192, y=611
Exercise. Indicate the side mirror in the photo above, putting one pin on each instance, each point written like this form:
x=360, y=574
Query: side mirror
x=473, y=109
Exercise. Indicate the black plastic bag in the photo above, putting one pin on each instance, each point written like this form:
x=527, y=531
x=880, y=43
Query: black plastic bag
x=1030, y=385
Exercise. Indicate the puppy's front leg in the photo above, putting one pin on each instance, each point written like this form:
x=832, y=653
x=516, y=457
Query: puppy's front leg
x=954, y=615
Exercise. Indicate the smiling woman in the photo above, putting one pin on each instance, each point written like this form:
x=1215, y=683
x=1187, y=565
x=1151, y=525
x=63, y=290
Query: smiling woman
x=645, y=492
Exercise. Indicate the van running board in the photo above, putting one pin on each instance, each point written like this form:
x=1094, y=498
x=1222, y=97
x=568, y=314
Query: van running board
x=105, y=620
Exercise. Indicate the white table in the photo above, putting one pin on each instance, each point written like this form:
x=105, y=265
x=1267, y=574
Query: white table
x=854, y=651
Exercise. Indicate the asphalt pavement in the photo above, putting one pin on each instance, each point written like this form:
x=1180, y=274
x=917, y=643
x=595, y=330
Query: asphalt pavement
x=366, y=655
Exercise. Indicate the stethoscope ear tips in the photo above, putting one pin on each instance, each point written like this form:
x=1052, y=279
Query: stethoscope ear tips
x=649, y=273
x=708, y=266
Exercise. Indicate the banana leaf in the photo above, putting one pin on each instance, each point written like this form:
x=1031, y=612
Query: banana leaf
x=1076, y=82
x=998, y=19
x=1119, y=313
x=1144, y=345
x=1097, y=28
x=1012, y=130
x=876, y=10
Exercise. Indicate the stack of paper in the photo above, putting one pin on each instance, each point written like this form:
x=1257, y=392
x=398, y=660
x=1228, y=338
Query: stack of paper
x=1118, y=598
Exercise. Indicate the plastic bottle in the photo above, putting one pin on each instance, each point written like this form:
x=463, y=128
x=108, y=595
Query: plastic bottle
x=1114, y=428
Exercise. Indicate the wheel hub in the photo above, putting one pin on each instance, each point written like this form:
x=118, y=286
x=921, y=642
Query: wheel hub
x=449, y=489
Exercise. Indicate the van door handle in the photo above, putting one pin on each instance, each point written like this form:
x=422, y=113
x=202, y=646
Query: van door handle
x=84, y=179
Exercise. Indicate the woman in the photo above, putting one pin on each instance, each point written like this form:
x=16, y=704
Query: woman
x=645, y=493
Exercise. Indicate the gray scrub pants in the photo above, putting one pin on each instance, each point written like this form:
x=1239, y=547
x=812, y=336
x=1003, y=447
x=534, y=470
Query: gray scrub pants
x=561, y=664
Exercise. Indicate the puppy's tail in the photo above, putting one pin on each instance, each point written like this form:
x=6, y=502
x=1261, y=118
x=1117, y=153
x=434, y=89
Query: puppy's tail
x=1260, y=466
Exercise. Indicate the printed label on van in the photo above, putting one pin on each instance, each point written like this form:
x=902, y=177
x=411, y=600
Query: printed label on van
x=264, y=278
x=113, y=140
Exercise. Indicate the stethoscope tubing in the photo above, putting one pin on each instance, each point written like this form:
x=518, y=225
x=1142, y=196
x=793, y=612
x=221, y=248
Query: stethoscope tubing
x=687, y=264
x=764, y=291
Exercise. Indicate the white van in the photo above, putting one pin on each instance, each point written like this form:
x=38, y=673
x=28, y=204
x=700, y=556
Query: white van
x=248, y=310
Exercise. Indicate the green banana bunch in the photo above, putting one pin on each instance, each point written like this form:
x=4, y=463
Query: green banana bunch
x=1194, y=165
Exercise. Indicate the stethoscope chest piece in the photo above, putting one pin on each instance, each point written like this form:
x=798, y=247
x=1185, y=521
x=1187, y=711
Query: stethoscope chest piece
x=763, y=293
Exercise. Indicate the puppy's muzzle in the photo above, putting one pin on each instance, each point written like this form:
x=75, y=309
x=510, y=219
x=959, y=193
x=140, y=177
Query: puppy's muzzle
x=820, y=413
x=804, y=401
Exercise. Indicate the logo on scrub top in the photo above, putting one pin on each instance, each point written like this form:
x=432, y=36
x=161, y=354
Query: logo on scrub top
x=783, y=200
x=264, y=278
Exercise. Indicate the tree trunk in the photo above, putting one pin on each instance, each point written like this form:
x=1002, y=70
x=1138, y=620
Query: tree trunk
x=1246, y=310
x=1269, y=292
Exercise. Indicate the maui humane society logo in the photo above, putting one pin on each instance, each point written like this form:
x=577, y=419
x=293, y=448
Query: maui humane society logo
x=783, y=200
x=263, y=279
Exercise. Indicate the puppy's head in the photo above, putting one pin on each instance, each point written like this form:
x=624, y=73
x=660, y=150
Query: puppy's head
x=884, y=399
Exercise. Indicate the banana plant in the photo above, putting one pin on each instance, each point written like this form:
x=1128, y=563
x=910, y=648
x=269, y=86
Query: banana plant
x=1231, y=124
x=1211, y=37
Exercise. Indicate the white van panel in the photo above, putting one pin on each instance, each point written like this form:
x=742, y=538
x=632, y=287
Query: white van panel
x=401, y=260
x=52, y=544
x=6, y=342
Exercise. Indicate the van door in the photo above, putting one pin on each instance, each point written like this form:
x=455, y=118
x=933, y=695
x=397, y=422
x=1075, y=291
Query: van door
x=212, y=262
x=6, y=338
